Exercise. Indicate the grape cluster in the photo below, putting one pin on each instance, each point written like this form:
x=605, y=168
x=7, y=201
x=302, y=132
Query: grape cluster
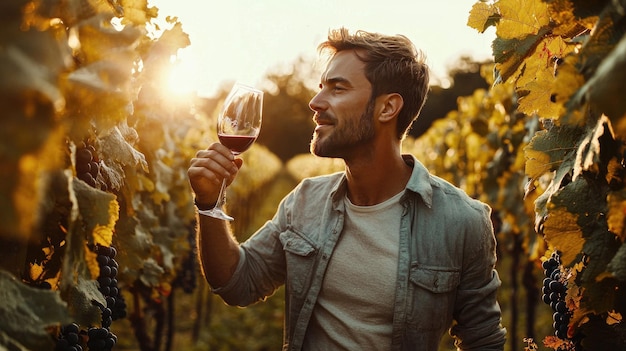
x=87, y=164
x=101, y=339
x=69, y=338
x=554, y=291
x=115, y=304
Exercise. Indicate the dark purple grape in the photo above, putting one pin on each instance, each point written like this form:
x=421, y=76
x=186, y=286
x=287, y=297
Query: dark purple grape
x=94, y=169
x=83, y=156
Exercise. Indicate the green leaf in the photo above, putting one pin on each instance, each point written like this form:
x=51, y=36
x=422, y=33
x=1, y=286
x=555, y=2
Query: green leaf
x=617, y=266
x=588, y=154
x=135, y=244
x=606, y=87
x=549, y=148
x=25, y=313
x=151, y=273
x=120, y=159
x=509, y=54
x=81, y=298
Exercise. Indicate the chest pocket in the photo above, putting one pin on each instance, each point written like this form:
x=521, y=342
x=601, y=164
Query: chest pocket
x=433, y=296
x=435, y=279
x=300, y=253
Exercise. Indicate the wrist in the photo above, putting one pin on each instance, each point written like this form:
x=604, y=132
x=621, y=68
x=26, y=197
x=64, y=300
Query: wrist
x=202, y=206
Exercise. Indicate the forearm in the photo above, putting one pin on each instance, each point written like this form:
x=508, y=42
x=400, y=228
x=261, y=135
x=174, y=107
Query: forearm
x=218, y=250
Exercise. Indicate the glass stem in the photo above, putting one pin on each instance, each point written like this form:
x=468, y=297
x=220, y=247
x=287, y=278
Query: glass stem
x=221, y=198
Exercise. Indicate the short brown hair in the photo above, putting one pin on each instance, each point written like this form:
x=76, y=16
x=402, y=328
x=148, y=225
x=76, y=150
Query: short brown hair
x=392, y=65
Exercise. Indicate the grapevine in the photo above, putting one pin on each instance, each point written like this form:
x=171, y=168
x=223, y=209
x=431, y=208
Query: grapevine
x=564, y=60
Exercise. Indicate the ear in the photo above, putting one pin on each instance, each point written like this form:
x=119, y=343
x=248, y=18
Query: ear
x=390, y=106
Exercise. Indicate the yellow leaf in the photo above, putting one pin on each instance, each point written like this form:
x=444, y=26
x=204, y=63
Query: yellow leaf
x=99, y=211
x=92, y=263
x=616, y=216
x=35, y=271
x=538, y=100
x=614, y=318
x=537, y=163
x=568, y=80
x=539, y=79
x=563, y=233
x=521, y=18
x=481, y=16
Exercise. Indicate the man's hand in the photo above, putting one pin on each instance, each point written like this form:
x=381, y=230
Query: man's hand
x=209, y=168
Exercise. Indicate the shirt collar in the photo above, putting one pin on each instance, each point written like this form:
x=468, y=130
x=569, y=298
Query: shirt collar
x=419, y=182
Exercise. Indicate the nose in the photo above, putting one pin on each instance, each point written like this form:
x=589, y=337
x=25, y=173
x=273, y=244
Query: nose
x=318, y=103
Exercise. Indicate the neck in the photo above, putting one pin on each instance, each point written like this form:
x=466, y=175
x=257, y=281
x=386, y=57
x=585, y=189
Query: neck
x=374, y=179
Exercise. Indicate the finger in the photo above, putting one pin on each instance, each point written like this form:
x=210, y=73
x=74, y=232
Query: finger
x=216, y=160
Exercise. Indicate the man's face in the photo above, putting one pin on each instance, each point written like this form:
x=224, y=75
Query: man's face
x=343, y=110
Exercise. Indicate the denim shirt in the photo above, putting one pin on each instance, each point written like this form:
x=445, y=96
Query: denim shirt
x=446, y=264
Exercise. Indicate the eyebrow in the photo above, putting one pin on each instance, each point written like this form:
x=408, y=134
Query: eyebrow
x=335, y=80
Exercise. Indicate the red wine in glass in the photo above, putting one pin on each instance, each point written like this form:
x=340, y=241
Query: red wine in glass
x=237, y=143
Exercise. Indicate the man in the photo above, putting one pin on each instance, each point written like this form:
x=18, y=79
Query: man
x=383, y=256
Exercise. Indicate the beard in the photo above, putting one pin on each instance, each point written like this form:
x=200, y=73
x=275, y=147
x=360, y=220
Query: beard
x=354, y=133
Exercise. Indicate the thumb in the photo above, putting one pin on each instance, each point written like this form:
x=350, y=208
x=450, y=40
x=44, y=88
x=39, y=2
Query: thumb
x=238, y=162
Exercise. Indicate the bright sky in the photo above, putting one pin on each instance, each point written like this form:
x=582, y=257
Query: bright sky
x=245, y=39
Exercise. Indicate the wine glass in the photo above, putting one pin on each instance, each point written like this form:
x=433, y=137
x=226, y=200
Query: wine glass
x=238, y=126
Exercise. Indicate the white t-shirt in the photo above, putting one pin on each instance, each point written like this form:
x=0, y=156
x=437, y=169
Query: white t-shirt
x=354, y=310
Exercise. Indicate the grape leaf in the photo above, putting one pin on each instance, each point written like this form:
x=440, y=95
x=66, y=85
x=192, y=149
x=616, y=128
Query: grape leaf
x=81, y=298
x=509, y=54
x=119, y=157
x=482, y=16
x=100, y=41
x=521, y=18
x=170, y=42
x=548, y=149
x=541, y=202
x=616, y=216
x=75, y=11
x=588, y=154
x=151, y=273
x=137, y=12
x=135, y=245
x=566, y=23
x=537, y=99
x=25, y=313
x=568, y=80
x=608, y=82
x=617, y=266
x=538, y=78
x=562, y=231
x=98, y=211
x=92, y=210
x=21, y=72
x=599, y=336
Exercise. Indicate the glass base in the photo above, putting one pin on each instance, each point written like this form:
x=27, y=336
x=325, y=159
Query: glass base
x=216, y=213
